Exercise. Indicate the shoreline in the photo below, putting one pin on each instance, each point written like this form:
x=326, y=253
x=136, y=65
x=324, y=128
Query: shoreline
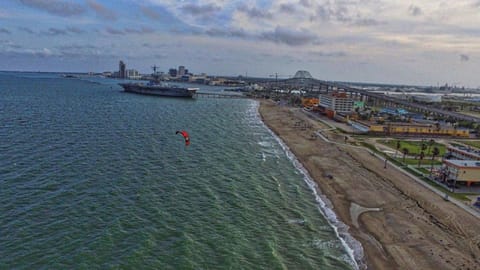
x=352, y=246
x=399, y=223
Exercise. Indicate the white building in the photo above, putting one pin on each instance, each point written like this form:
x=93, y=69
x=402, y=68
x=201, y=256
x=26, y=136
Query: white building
x=133, y=74
x=337, y=101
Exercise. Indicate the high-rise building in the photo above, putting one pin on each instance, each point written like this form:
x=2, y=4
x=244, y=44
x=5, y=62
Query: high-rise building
x=122, y=70
x=181, y=70
x=172, y=72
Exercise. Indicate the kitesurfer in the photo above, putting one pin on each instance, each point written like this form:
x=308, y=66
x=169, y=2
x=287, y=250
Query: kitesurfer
x=185, y=136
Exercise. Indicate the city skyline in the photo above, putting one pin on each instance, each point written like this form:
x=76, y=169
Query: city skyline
x=373, y=41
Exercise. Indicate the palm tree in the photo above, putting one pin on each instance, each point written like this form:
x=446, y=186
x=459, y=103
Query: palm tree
x=430, y=144
x=435, y=153
x=423, y=146
x=398, y=148
x=422, y=154
x=405, y=153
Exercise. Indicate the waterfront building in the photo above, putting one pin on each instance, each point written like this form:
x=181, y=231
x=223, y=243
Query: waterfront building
x=462, y=171
x=462, y=153
x=107, y=74
x=338, y=102
x=181, y=71
x=132, y=74
x=122, y=70
x=172, y=72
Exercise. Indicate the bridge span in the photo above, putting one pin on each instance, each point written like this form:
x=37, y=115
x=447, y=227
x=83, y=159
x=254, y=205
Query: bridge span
x=314, y=86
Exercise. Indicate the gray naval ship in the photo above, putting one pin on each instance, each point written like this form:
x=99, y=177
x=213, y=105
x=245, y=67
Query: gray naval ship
x=158, y=88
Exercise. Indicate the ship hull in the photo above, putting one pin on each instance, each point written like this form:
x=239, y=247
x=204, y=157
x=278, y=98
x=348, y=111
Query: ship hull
x=164, y=91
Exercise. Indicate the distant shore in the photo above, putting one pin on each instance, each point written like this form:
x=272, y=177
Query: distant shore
x=400, y=223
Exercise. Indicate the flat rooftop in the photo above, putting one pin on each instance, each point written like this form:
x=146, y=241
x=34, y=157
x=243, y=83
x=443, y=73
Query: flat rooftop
x=464, y=163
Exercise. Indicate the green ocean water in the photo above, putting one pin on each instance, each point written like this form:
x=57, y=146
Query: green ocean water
x=94, y=178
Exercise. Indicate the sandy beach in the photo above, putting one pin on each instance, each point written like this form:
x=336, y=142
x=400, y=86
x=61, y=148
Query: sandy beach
x=400, y=223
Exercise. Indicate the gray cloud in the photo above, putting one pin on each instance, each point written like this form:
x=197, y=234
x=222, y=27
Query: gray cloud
x=200, y=10
x=114, y=31
x=26, y=30
x=150, y=13
x=366, y=22
x=289, y=37
x=330, y=12
x=287, y=8
x=464, y=58
x=305, y=3
x=55, y=32
x=55, y=7
x=142, y=30
x=102, y=11
x=76, y=47
x=9, y=44
x=75, y=30
x=156, y=46
x=330, y=54
x=160, y=56
x=254, y=12
x=218, y=32
x=414, y=10
x=4, y=31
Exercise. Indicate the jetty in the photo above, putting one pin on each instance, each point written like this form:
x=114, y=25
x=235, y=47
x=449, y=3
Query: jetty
x=218, y=95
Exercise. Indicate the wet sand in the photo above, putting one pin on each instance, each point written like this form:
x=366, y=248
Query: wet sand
x=400, y=223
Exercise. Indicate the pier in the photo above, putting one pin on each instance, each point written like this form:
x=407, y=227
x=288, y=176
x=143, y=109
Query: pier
x=218, y=95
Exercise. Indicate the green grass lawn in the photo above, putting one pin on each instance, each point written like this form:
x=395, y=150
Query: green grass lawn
x=475, y=144
x=424, y=170
x=399, y=162
x=414, y=147
x=412, y=161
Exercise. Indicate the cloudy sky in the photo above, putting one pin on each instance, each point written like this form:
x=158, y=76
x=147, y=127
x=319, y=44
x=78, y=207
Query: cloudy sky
x=428, y=42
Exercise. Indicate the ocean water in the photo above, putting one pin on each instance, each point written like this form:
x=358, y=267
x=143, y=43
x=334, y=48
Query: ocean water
x=95, y=178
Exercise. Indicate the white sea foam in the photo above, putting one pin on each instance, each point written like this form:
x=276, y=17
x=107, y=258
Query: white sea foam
x=265, y=144
x=352, y=246
x=330, y=244
x=296, y=221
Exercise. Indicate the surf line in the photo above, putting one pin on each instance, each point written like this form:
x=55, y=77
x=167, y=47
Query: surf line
x=352, y=246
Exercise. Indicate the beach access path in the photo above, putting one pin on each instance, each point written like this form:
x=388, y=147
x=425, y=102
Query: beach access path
x=401, y=223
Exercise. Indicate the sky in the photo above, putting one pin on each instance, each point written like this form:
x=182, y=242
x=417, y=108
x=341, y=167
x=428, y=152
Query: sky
x=428, y=42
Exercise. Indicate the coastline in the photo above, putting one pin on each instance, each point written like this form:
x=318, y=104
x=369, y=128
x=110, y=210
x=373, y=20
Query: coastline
x=351, y=245
x=399, y=223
